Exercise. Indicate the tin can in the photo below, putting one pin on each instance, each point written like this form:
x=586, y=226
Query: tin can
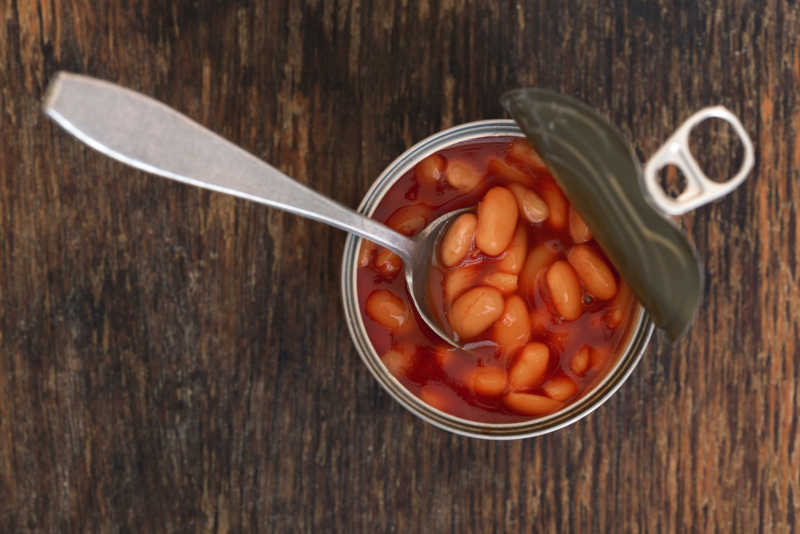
x=633, y=346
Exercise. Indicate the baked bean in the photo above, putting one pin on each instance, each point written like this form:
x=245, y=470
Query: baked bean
x=593, y=271
x=522, y=151
x=436, y=395
x=513, y=329
x=578, y=230
x=557, y=204
x=409, y=220
x=399, y=360
x=504, y=282
x=620, y=306
x=388, y=263
x=458, y=239
x=445, y=356
x=514, y=257
x=564, y=290
x=540, y=257
x=598, y=356
x=509, y=172
x=531, y=206
x=487, y=381
x=475, y=311
x=497, y=221
x=531, y=404
x=579, y=363
x=385, y=308
x=458, y=280
x=530, y=367
x=365, y=253
x=430, y=170
x=463, y=175
x=560, y=387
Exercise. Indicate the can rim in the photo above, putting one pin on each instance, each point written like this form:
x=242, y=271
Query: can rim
x=639, y=333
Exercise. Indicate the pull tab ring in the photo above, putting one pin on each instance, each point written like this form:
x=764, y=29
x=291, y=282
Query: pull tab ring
x=699, y=188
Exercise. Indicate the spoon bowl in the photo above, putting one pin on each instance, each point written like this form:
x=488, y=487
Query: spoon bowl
x=417, y=269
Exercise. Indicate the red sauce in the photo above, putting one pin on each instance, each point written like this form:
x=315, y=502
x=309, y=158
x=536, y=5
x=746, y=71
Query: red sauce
x=421, y=361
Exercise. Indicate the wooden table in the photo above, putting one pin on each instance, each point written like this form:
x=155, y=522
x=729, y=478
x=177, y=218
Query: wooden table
x=175, y=360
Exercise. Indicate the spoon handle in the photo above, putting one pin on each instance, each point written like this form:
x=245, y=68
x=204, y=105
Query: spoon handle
x=148, y=135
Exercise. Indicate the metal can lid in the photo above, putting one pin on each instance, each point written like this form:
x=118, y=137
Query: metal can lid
x=599, y=172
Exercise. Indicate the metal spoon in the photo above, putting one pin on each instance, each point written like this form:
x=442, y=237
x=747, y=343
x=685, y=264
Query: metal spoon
x=148, y=135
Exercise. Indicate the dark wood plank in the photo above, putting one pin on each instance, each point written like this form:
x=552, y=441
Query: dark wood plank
x=173, y=360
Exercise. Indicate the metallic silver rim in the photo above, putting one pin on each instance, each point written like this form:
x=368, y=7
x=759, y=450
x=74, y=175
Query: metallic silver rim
x=638, y=337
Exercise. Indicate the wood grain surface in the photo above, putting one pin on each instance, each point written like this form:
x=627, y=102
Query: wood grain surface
x=173, y=360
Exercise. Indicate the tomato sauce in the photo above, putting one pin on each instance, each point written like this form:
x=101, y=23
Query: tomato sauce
x=483, y=383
